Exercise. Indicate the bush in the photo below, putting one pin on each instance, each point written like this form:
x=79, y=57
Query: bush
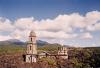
x=49, y=60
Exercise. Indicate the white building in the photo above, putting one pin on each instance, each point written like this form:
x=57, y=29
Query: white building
x=43, y=54
x=31, y=48
x=63, y=51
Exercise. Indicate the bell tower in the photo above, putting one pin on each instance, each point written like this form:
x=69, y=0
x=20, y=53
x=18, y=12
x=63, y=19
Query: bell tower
x=31, y=50
x=31, y=45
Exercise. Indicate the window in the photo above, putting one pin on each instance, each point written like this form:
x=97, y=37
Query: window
x=30, y=47
x=31, y=39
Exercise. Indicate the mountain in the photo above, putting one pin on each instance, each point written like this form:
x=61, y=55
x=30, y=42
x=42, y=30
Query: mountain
x=41, y=43
x=20, y=43
x=12, y=42
x=15, y=41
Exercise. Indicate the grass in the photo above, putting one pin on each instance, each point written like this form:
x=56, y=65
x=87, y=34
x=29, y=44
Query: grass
x=11, y=49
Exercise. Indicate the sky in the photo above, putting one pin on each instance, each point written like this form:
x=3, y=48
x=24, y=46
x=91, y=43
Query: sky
x=70, y=22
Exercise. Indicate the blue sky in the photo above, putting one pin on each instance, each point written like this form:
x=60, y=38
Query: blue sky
x=42, y=9
x=41, y=13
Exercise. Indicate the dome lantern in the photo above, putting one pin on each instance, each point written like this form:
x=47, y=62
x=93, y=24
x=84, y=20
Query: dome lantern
x=32, y=34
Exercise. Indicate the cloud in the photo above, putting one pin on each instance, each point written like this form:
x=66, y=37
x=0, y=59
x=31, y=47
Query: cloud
x=20, y=34
x=93, y=18
x=86, y=36
x=61, y=27
x=55, y=35
x=2, y=37
x=6, y=25
x=94, y=27
x=24, y=23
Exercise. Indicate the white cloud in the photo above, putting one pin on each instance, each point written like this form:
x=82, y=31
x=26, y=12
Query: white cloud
x=93, y=18
x=95, y=27
x=86, y=36
x=20, y=34
x=55, y=35
x=2, y=38
x=77, y=21
x=6, y=25
x=24, y=23
x=61, y=27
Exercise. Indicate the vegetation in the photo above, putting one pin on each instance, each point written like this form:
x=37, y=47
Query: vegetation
x=49, y=60
x=11, y=49
x=85, y=58
x=78, y=57
x=49, y=47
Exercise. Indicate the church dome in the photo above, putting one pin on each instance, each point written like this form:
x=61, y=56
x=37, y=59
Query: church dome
x=32, y=33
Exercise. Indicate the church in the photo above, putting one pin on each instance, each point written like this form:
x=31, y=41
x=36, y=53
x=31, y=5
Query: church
x=31, y=50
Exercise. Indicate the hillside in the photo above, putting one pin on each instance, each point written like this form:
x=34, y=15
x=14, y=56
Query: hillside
x=12, y=42
x=20, y=43
x=11, y=56
x=78, y=58
x=14, y=45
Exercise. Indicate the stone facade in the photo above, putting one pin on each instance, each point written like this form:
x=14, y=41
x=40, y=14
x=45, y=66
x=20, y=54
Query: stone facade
x=30, y=58
x=63, y=51
x=31, y=48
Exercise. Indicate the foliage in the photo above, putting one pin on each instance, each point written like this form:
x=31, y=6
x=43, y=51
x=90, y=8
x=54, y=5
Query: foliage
x=49, y=60
x=85, y=58
x=49, y=47
x=78, y=57
x=11, y=49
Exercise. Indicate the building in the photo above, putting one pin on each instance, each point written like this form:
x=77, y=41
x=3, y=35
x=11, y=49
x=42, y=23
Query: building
x=43, y=54
x=63, y=51
x=31, y=50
